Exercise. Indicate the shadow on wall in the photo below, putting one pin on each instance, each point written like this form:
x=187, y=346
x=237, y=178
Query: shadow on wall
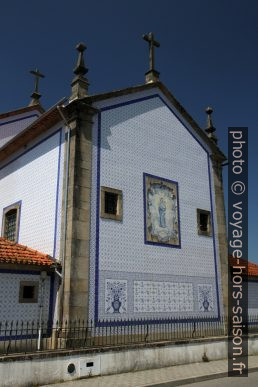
x=32, y=153
x=129, y=111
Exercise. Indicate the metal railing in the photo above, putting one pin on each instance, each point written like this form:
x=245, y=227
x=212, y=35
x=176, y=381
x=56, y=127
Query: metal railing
x=34, y=336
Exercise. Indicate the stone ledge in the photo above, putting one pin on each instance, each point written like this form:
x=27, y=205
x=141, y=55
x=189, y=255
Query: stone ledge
x=114, y=348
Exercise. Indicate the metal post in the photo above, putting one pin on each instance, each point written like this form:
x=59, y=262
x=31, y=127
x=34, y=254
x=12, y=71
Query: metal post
x=43, y=276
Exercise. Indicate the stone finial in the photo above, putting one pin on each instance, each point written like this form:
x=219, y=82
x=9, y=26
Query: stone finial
x=35, y=96
x=152, y=75
x=79, y=84
x=210, y=130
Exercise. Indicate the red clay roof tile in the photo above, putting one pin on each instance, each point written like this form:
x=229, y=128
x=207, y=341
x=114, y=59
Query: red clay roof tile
x=15, y=253
x=252, y=267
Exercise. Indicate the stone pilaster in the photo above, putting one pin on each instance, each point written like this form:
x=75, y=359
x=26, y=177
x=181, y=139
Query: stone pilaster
x=76, y=261
x=222, y=229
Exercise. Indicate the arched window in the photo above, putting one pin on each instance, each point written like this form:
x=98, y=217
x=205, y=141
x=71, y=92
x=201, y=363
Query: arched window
x=11, y=222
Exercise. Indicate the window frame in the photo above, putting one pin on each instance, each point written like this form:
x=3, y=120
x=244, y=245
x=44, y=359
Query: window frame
x=209, y=227
x=15, y=206
x=119, y=215
x=33, y=300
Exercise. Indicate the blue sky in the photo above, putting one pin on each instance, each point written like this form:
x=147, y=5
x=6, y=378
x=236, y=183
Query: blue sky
x=208, y=56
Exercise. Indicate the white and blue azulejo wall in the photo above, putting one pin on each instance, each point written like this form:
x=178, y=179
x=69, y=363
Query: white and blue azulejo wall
x=13, y=125
x=12, y=309
x=33, y=178
x=253, y=296
x=130, y=278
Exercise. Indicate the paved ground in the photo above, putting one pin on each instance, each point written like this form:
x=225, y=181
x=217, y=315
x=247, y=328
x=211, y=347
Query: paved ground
x=251, y=381
x=172, y=376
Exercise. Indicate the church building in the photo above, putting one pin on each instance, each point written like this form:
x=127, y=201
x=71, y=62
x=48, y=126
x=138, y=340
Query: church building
x=122, y=195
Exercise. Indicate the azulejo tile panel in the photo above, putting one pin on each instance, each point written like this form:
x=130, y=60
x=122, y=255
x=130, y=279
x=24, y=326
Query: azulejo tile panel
x=115, y=296
x=161, y=211
x=150, y=296
x=153, y=296
x=205, y=298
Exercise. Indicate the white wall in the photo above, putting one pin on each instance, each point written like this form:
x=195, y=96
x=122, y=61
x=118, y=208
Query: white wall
x=34, y=176
x=10, y=308
x=46, y=370
x=146, y=137
x=11, y=126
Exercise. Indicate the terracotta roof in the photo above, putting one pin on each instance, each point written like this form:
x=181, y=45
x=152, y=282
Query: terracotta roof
x=252, y=267
x=15, y=253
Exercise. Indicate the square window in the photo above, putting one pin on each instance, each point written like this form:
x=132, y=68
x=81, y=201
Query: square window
x=111, y=200
x=204, y=222
x=28, y=292
x=111, y=204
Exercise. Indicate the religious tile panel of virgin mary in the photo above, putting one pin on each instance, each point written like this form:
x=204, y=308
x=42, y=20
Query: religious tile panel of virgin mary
x=154, y=242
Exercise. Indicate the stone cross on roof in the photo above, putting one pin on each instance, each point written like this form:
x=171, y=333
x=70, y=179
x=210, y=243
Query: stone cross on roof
x=36, y=95
x=152, y=75
x=79, y=83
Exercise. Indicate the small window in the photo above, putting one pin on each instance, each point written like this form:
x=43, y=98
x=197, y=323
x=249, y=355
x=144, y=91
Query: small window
x=204, y=222
x=28, y=292
x=111, y=203
x=10, y=225
x=111, y=200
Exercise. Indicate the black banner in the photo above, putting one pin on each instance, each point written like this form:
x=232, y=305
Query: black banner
x=238, y=251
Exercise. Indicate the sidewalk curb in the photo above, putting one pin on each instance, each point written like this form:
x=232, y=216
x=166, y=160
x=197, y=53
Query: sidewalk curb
x=195, y=379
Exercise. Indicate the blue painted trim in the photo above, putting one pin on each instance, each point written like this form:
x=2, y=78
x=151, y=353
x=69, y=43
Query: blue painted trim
x=16, y=271
x=57, y=191
x=164, y=102
x=58, y=176
x=28, y=150
x=118, y=105
x=182, y=122
x=19, y=119
x=5, y=209
x=151, y=321
x=155, y=321
x=145, y=210
x=97, y=222
x=213, y=238
x=51, y=302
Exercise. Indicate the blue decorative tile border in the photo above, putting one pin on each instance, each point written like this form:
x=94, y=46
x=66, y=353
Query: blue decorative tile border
x=19, y=119
x=96, y=303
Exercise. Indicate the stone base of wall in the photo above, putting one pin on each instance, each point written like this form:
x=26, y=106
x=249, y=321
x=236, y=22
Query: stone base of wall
x=52, y=367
